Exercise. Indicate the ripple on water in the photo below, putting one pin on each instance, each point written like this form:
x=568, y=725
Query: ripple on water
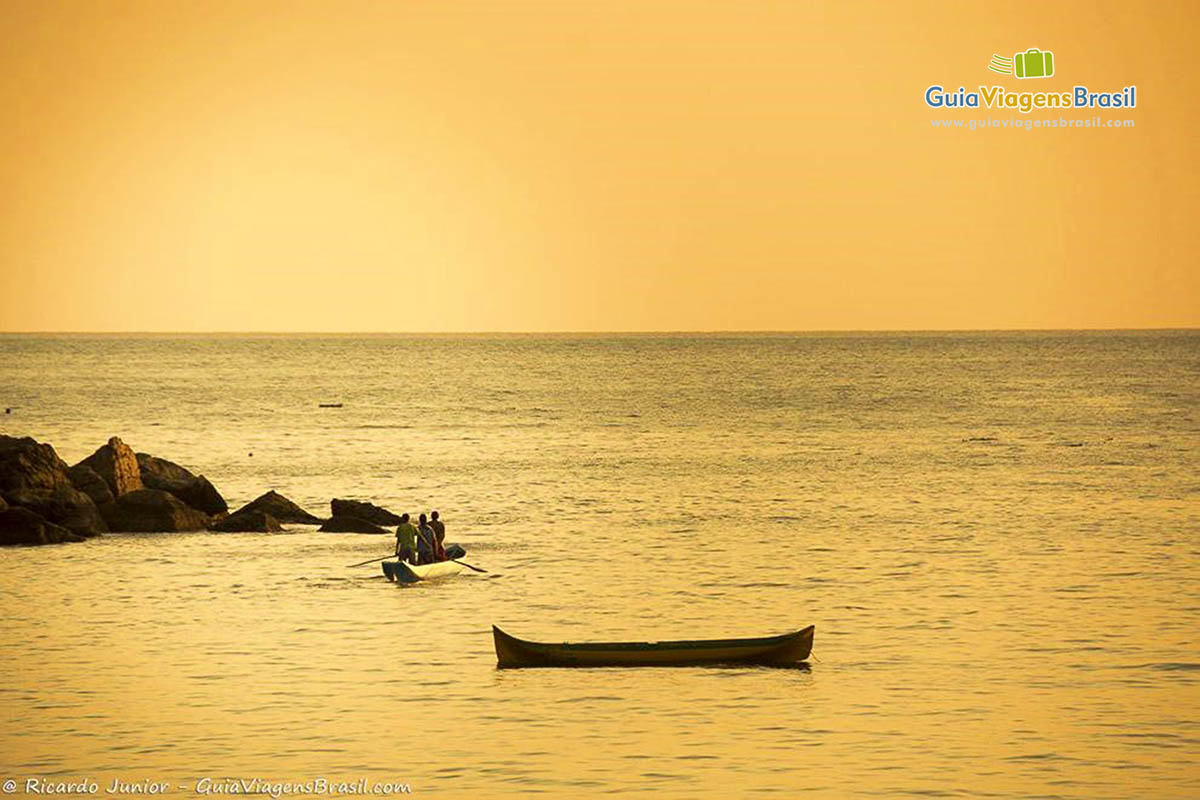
x=978, y=623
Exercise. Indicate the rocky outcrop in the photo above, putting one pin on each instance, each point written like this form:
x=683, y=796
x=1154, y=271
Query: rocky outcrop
x=22, y=526
x=195, y=490
x=247, y=521
x=27, y=467
x=153, y=510
x=116, y=463
x=368, y=511
x=85, y=479
x=345, y=523
x=67, y=507
x=202, y=495
x=33, y=477
x=280, y=508
x=43, y=501
x=355, y=516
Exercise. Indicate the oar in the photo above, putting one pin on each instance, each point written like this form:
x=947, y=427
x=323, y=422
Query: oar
x=468, y=566
x=373, y=560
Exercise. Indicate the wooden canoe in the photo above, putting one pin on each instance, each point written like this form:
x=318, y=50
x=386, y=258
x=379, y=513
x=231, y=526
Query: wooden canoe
x=403, y=572
x=785, y=650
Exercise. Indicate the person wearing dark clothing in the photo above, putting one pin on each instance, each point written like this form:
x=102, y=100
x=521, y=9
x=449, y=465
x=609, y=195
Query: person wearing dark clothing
x=426, y=542
x=440, y=529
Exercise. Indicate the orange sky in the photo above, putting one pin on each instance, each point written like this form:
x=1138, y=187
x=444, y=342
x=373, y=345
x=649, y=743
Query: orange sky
x=524, y=166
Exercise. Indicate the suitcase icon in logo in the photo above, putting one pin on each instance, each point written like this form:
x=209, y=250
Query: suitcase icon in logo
x=1033, y=63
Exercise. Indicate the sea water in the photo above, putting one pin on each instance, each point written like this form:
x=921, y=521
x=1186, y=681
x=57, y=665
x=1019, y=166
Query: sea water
x=997, y=536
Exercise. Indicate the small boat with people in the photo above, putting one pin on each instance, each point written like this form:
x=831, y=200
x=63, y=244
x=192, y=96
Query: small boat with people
x=403, y=572
x=421, y=553
x=785, y=650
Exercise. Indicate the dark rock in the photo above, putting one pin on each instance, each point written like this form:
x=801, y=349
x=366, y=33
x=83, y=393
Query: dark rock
x=247, y=521
x=69, y=508
x=344, y=523
x=85, y=479
x=195, y=490
x=204, y=496
x=116, y=463
x=153, y=510
x=3, y=504
x=27, y=467
x=22, y=526
x=32, y=476
x=367, y=511
x=162, y=472
x=280, y=508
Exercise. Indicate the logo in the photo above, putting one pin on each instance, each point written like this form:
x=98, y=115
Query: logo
x=1033, y=63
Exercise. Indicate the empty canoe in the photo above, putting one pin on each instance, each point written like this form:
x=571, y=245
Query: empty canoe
x=787, y=649
x=403, y=572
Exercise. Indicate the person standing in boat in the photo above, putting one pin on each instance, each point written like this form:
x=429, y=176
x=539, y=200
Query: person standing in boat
x=406, y=540
x=426, y=542
x=439, y=528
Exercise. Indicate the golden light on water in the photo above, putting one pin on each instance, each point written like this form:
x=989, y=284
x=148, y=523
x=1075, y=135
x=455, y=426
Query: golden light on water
x=994, y=535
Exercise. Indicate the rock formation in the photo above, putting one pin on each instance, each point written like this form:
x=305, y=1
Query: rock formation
x=116, y=463
x=85, y=479
x=34, y=478
x=67, y=507
x=153, y=510
x=367, y=511
x=195, y=490
x=247, y=521
x=27, y=467
x=43, y=501
x=280, y=508
x=22, y=526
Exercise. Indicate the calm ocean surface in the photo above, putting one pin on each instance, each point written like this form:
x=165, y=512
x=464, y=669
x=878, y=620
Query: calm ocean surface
x=997, y=537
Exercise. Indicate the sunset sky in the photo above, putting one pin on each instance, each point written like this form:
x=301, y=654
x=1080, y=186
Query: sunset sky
x=551, y=166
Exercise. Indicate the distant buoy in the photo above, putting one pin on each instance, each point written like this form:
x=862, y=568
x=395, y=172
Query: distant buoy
x=8, y=411
x=250, y=454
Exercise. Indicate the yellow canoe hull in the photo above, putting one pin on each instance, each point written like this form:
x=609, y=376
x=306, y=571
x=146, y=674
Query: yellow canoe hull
x=787, y=649
x=403, y=572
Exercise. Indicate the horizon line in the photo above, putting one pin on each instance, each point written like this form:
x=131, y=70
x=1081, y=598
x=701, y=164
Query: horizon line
x=591, y=332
